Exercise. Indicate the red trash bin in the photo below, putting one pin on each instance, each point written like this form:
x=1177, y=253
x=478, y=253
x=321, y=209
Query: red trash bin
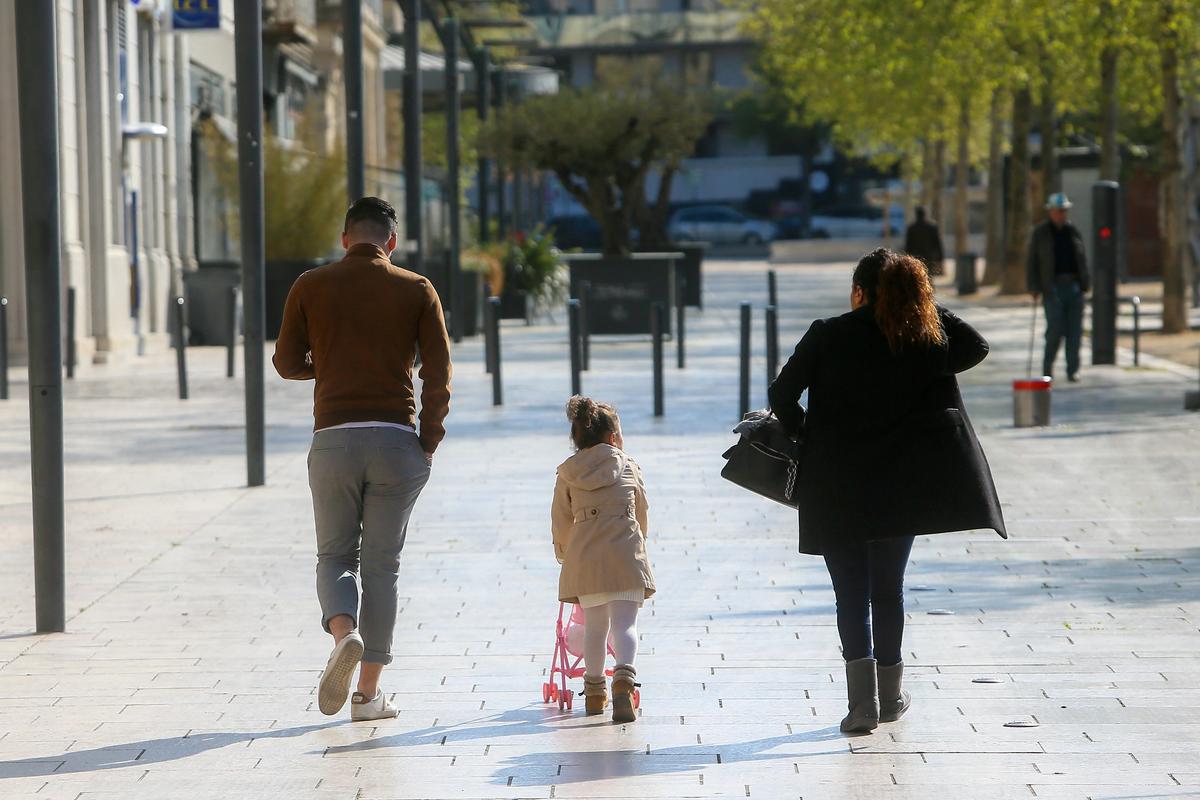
x=1031, y=402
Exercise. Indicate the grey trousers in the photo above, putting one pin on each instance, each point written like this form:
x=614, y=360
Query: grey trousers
x=364, y=484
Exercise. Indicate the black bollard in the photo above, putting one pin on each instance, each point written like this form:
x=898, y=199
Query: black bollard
x=744, y=371
x=658, y=322
x=487, y=333
x=575, y=345
x=585, y=343
x=71, y=332
x=231, y=348
x=680, y=314
x=3, y=348
x=772, y=344
x=181, y=349
x=772, y=289
x=494, y=319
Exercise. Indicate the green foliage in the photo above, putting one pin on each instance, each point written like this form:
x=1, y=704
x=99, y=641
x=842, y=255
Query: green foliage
x=304, y=191
x=600, y=142
x=534, y=265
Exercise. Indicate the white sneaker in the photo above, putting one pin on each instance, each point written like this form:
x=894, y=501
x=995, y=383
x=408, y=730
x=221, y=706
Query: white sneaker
x=334, y=686
x=378, y=707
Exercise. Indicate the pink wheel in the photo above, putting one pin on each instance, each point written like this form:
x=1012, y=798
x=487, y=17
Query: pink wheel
x=570, y=696
x=637, y=698
x=553, y=691
x=545, y=693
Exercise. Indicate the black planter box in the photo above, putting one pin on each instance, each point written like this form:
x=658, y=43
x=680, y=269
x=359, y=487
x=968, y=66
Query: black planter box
x=514, y=305
x=280, y=277
x=623, y=290
x=207, y=292
x=689, y=273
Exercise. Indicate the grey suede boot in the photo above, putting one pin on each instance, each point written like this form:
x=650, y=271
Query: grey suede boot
x=862, y=693
x=893, y=701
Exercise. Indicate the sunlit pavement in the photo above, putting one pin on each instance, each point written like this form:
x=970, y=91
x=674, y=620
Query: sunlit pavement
x=1061, y=663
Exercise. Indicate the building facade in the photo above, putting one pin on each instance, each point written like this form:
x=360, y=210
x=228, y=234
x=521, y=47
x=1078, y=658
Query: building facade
x=126, y=220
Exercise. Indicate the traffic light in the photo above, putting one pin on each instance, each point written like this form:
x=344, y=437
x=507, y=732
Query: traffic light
x=1107, y=233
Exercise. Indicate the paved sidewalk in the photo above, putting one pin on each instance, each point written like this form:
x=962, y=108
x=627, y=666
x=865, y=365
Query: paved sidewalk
x=193, y=644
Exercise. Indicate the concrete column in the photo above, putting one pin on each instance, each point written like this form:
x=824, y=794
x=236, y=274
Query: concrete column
x=71, y=164
x=185, y=215
x=12, y=253
x=168, y=149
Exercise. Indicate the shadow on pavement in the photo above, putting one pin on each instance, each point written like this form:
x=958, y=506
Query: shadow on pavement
x=588, y=765
x=148, y=751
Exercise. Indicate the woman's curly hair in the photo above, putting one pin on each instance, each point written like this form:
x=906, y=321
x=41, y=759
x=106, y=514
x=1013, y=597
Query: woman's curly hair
x=898, y=288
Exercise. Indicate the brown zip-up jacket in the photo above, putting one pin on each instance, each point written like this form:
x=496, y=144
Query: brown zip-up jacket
x=355, y=326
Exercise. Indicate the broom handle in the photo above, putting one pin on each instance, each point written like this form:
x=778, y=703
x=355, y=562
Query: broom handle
x=1032, y=335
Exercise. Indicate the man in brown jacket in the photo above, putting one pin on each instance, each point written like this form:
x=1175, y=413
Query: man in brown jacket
x=355, y=326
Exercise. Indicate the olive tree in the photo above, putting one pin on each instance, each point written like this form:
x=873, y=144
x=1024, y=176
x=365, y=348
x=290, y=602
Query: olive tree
x=601, y=143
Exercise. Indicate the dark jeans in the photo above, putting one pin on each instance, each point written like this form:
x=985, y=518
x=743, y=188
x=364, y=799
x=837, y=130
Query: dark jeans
x=1064, y=319
x=868, y=581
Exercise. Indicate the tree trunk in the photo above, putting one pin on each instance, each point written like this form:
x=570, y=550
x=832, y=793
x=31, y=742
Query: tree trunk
x=962, y=169
x=994, y=225
x=1110, y=151
x=1048, y=127
x=927, y=175
x=1013, y=280
x=1174, y=212
x=939, y=182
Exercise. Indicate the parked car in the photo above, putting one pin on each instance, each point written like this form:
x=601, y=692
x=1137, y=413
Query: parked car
x=575, y=231
x=719, y=225
x=794, y=226
x=856, y=222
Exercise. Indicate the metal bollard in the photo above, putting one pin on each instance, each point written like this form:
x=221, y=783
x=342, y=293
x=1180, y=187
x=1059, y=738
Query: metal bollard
x=585, y=339
x=744, y=371
x=3, y=348
x=71, y=355
x=1136, y=302
x=680, y=319
x=231, y=349
x=181, y=349
x=494, y=319
x=772, y=289
x=487, y=334
x=772, y=344
x=658, y=322
x=575, y=346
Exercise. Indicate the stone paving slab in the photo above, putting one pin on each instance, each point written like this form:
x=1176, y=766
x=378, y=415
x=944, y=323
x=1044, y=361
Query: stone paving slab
x=192, y=650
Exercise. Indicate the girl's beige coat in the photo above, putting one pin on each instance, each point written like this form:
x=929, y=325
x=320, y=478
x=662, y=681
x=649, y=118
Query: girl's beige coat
x=599, y=524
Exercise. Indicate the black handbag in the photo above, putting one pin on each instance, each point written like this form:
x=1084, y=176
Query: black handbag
x=765, y=459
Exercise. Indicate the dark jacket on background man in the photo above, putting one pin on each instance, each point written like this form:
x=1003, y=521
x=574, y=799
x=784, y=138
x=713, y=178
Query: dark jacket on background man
x=923, y=240
x=887, y=449
x=1040, y=267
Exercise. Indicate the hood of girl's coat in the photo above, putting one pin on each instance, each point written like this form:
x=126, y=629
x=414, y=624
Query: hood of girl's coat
x=594, y=467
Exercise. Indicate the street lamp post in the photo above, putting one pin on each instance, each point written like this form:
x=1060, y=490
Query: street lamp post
x=38, y=103
x=248, y=66
x=352, y=48
x=452, y=174
x=413, y=230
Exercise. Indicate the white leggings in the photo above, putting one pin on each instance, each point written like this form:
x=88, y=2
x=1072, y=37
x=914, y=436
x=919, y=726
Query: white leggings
x=621, y=617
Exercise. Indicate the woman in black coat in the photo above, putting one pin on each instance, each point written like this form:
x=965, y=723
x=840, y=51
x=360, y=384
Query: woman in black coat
x=888, y=454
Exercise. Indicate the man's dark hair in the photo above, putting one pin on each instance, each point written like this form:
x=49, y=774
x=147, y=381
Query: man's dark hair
x=920, y=211
x=371, y=217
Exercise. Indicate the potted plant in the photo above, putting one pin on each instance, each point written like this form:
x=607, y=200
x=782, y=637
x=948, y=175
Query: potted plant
x=535, y=269
x=305, y=190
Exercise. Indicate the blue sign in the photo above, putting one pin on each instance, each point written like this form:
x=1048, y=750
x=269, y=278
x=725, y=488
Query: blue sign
x=193, y=15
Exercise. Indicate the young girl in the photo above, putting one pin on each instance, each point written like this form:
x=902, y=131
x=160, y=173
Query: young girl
x=599, y=526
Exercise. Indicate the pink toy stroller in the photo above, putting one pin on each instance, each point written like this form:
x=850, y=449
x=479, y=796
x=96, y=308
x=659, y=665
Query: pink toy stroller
x=567, y=661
